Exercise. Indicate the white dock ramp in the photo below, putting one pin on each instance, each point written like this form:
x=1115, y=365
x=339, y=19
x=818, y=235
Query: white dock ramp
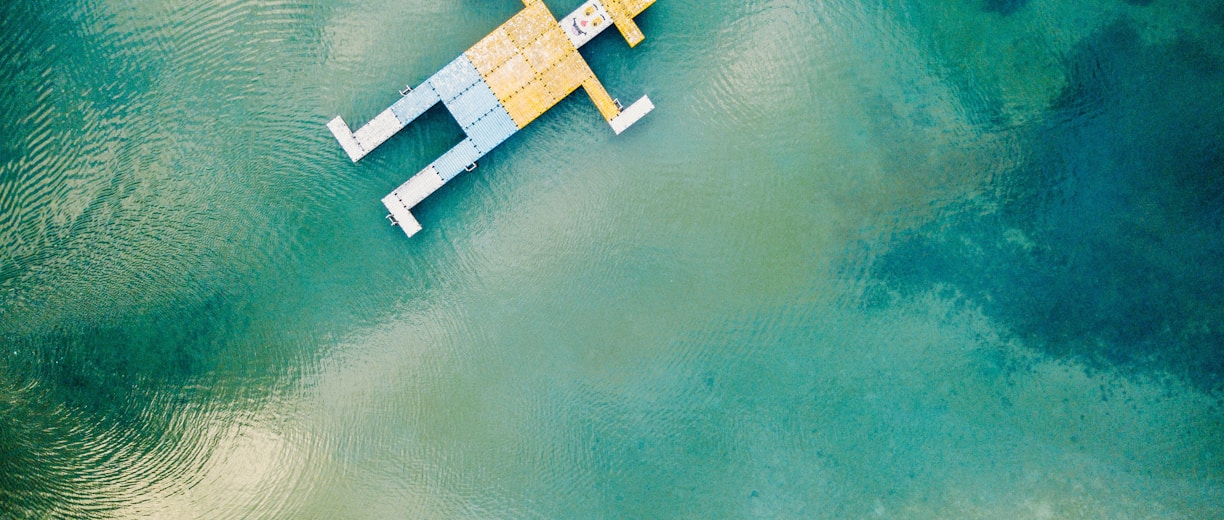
x=631, y=115
x=400, y=215
x=409, y=194
x=340, y=129
x=378, y=130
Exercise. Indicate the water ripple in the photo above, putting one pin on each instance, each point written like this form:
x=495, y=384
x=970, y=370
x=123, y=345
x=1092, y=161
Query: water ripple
x=202, y=314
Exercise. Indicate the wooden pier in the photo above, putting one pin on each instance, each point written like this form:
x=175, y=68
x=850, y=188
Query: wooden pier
x=498, y=86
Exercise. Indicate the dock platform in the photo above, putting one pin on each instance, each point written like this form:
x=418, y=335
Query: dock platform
x=498, y=86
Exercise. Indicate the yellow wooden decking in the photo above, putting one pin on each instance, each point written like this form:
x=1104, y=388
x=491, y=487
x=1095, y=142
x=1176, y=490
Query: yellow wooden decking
x=530, y=64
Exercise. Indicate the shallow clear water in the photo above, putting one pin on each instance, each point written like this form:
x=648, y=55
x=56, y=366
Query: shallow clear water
x=919, y=259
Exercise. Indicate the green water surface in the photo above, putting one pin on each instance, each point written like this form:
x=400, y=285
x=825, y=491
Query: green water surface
x=916, y=259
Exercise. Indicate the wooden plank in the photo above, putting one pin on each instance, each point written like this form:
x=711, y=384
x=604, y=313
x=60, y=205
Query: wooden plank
x=510, y=78
x=492, y=51
x=528, y=24
x=548, y=49
x=568, y=75
x=635, y=7
x=533, y=100
x=599, y=96
x=623, y=19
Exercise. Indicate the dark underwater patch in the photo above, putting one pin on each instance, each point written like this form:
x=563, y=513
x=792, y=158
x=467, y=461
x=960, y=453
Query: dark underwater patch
x=60, y=387
x=1107, y=242
x=1004, y=7
x=1216, y=15
x=100, y=365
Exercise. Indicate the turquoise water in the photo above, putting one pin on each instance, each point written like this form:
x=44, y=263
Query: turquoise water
x=917, y=259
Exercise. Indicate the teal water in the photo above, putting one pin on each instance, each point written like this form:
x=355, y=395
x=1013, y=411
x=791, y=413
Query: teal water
x=917, y=259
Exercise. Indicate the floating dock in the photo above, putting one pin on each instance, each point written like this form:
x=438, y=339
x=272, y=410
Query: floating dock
x=498, y=86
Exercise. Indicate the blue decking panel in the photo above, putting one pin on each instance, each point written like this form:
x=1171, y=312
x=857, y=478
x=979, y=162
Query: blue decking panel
x=456, y=159
x=473, y=103
x=415, y=103
x=455, y=78
x=492, y=129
